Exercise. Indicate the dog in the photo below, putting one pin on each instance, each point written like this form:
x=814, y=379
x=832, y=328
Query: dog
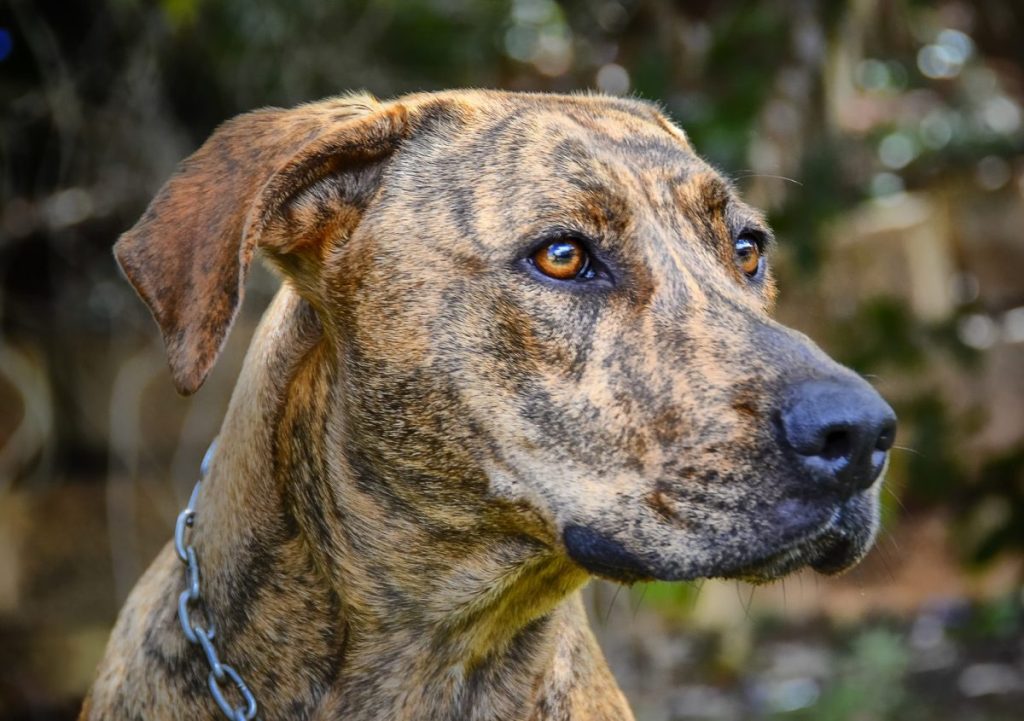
x=521, y=340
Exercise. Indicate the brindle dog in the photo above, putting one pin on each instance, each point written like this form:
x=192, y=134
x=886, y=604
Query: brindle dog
x=521, y=340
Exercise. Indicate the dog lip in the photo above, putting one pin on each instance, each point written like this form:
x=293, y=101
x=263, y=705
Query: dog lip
x=604, y=556
x=836, y=557
x=826, y=544
x=839, y=549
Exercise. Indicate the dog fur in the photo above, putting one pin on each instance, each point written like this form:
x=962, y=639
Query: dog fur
x=432, y=446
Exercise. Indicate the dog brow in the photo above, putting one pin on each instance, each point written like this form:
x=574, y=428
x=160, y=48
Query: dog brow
x=702, y=190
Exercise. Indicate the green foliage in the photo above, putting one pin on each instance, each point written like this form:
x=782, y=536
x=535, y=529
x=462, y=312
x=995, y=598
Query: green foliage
x=1000, y=491
x=934, y=469
x=823, y=195
x=741, y=63
x=999, y=619
x=180, y=12
x=869, y=685
x=675, y=600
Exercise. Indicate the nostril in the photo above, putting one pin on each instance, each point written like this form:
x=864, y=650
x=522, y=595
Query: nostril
x=841, y=429
x=837, y=444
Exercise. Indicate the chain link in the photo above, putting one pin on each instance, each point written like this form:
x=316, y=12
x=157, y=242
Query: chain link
x=190, y=601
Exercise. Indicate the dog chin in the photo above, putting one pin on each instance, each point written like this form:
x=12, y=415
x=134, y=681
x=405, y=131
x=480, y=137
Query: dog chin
x=830, y=548
x=836, y=550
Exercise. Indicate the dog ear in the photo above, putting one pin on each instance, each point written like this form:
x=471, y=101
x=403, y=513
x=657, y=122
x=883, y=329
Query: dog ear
x=189, y=254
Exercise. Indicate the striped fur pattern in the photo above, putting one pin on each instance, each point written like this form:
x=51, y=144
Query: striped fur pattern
x=425, y=426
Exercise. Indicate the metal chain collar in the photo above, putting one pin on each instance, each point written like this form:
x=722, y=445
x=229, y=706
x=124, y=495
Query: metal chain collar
x=197, y=633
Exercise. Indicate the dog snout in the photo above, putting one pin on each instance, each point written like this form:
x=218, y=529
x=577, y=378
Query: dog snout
x=840, y=429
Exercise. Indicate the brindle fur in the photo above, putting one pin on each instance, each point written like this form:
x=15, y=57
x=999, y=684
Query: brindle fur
x=421, y=418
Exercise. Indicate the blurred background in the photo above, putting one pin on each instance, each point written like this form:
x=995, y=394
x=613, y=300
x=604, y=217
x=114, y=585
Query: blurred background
x=885, y=138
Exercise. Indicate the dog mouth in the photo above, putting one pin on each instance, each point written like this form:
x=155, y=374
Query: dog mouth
x=829, y=547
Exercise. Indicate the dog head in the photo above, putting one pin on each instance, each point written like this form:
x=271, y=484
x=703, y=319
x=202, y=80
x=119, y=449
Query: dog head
x=549, y=318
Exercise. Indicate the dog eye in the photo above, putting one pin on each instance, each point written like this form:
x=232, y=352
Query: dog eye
x=563, y=259
x=748, y=255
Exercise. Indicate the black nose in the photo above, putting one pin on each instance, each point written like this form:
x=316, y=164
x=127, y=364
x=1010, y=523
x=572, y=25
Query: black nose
x=841, y=429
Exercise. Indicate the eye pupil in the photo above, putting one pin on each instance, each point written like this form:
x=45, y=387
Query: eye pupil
x=748, y=256
x=563, y=259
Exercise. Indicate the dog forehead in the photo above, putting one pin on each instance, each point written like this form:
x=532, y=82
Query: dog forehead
x=518, y=158
x=545, y=128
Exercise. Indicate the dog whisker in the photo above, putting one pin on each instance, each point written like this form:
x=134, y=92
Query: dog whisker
x=770, y=176
x=908, y=449
x=698, y=587
x=895, y=497
x=636, y=607
x=611, y=604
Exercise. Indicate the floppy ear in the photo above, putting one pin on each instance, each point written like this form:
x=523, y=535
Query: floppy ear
x=188, y=255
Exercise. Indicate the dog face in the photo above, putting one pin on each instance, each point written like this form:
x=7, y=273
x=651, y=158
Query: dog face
x=549, y=319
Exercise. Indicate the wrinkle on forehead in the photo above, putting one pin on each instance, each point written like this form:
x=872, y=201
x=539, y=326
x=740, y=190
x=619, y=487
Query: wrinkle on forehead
x=641, y=144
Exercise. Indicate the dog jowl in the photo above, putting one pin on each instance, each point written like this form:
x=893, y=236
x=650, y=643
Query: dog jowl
x=522, y=339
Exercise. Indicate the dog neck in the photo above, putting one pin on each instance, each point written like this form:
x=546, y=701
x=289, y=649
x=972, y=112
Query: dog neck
x=380, y=613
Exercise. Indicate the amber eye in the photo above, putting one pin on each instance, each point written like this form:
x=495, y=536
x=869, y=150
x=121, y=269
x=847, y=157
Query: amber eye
x=748, y=256
x=562, y=259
